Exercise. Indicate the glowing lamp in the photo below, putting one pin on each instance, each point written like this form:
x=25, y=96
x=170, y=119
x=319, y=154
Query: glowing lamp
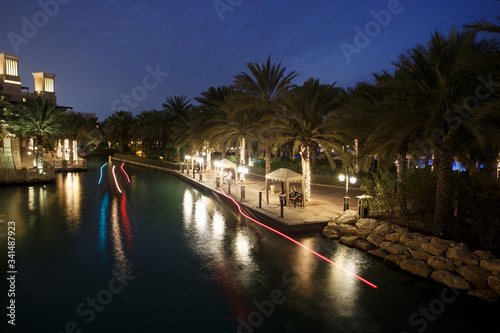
x=341, y=177
x=352, y=180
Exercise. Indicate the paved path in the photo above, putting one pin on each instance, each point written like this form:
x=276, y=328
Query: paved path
x=326, y=201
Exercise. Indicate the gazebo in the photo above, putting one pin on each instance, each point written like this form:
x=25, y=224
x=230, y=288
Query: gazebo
x=286, y=176
x=227, y=164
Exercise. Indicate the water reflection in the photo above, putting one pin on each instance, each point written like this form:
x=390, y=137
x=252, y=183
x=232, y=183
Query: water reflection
x=344, y=287
x=116, y=236
x=226, y=252
x=70, y=195
x=103, y=221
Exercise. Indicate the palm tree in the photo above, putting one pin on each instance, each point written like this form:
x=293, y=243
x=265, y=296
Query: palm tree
x=78, y=128
x=118, y=127
x=443, y=77
x=307, y=116
x=38, y=118
x=260, y=90
x=144, y=128
x=484, y=26
x=234, y=126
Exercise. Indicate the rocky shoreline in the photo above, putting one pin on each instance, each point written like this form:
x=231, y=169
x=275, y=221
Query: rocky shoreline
x=444, y=261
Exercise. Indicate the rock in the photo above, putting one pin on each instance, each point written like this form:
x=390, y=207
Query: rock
x=347, y=217
x=461, y=253
x=492, y=265
x=400, y=229
x=413, y=239
x=450, y=279
x=476, y=275
x=417, y=267
x=485, y=294
x=379, y=253
x=366, y=223
x=348, y=229
x=376, y=239
x=397, y=258
x=363, y=233
x=494, y=283
x=418, y=253
x=441, y=263
x=394, y=237
x=436, y=249
x=363, y=244
x=433, y=239
x=383, y=229
x=485, y=255
x=393, y=247
x=332, y=234
x=332, y=225
x=348, y=240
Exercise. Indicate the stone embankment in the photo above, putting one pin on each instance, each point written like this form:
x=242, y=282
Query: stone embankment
x=444, y=261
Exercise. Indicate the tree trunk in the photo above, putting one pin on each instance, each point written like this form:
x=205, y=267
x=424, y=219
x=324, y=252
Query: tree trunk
x=444, y=204
x=268, y=159
x=314, y=155
x=306, y=172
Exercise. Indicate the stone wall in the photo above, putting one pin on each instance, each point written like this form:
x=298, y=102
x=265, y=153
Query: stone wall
x=444, y=261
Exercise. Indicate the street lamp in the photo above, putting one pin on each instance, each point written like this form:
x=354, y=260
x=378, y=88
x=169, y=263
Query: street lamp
x=347, y=179
x=242, y=171
x=187, y=157
x=218, y=166
x=200, y=161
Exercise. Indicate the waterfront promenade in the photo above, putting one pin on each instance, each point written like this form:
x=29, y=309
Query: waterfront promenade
x=325, y=205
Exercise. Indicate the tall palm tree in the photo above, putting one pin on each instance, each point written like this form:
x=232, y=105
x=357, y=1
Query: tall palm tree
x=118, y=127
x=144, y=128
x=260, y=89
x=78, y=128
x=442, y=77
x=484, y=26
x=38, y=118
x=307, y=115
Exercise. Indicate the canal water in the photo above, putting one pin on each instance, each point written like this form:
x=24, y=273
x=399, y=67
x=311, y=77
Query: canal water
x=163, y=257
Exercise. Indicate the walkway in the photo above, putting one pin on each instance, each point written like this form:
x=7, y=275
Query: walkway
x=326, y=201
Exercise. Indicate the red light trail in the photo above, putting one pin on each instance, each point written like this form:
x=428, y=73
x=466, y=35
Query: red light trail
x=298, y=243
x=126, y=175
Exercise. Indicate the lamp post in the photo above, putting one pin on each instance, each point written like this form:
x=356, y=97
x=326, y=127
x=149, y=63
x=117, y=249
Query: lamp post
x=187, y=157
x=347, y=179
x=217, y=165
x=242, y=171
x=200, y=161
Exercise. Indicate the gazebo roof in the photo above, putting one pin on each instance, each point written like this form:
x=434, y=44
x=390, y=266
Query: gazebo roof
x=225, y=163
x=284, y=175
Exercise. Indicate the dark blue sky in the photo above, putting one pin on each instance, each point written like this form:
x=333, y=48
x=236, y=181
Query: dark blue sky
x=104, y=51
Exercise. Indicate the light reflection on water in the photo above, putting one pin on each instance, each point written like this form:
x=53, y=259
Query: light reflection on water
x=195, y=256
x=70, y=197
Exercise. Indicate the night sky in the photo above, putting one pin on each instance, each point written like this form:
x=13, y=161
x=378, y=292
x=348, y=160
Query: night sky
x=104, y=50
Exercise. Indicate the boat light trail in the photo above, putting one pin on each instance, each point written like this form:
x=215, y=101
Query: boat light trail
x=298, y=243
x=116, y=182
x=126, y=175
x=100, y=178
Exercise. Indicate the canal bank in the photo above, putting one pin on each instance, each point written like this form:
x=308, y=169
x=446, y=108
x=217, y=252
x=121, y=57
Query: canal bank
x=445, y=262
x=326, y=203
